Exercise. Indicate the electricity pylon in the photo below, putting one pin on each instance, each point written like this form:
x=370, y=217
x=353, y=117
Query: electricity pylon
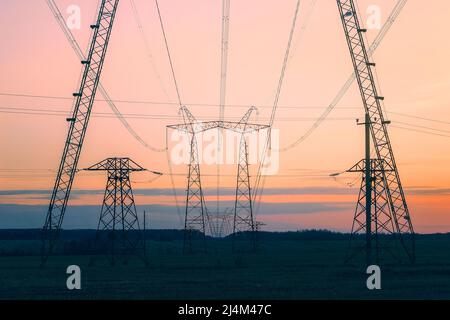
x=378, y=126
x=196, y=213
x=118, y=226
x=243, y=222
x=84, y=100
x=220, y=223
x=372, y=215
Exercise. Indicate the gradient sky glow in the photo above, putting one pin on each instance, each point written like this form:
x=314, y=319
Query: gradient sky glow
x=413, y=74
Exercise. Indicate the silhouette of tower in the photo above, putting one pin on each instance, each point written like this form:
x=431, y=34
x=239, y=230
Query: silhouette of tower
x=372, y=102
x=373, y=216
x=196, y=214
x=84, y=100
x=118, y=231
x=243, y=223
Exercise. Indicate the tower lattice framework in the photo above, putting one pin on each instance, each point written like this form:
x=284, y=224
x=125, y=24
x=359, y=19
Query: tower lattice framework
x=195, y=211
x=118, y=230
x=197, y=217
x=84, y=100
x=243, y=221
x=362, y=66
x=382, y=231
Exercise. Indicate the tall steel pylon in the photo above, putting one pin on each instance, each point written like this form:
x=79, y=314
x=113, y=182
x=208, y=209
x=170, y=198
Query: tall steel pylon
x=118, y=226
x=372, y=214
x=243, y=222
x=378, y=126
x=196, y=213
x=84, y=100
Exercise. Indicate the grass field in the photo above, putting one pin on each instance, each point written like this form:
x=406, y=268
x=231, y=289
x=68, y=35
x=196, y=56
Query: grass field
x=279, y=270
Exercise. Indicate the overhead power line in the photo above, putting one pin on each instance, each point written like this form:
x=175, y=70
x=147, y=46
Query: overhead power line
x=421, y=131
x=197, y=104
x=283, y=69
x=107, y=115
x=168, y=53
x=75, y=46
x=149, y=54
x=376, y=42
x=224, y=55
x=303, y=27
x=258, y=189
x=418, y=117
x=24, y=95
x=421, y=126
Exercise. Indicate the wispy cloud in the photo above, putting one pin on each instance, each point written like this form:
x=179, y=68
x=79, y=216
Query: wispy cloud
x=161, y=216
x=229, y=191
x=424, y=191
x=207, y=191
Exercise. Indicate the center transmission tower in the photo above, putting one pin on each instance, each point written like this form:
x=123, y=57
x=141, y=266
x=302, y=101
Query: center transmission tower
x=84, y=100
x=196, y=214
x=378, y=126
x=220, y=223
x=243, y=222
x=118, y=227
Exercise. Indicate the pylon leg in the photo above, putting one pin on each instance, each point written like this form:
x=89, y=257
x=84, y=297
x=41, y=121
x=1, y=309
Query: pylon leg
x=194, y=224
x=243, y=224
x=382, y=230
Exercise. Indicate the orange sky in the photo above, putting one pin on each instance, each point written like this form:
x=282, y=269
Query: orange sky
x=412, y=68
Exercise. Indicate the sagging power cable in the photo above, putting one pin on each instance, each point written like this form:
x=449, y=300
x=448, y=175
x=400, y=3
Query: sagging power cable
x=257, y=188
x=374, y=45
x=149, y=54
x=168, y=53
x=76, y=47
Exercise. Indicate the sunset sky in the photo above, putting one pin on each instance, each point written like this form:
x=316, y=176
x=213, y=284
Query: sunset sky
x=413, y=73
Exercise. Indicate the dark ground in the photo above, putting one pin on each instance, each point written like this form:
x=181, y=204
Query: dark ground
x=281, y=269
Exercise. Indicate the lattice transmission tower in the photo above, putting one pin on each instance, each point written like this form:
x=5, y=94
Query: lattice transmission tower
x=118, y=228
x=78, y=122
x=220, y=224
x=243, y=222
x=384, y=166
x=373, y=216
x=196, y=213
